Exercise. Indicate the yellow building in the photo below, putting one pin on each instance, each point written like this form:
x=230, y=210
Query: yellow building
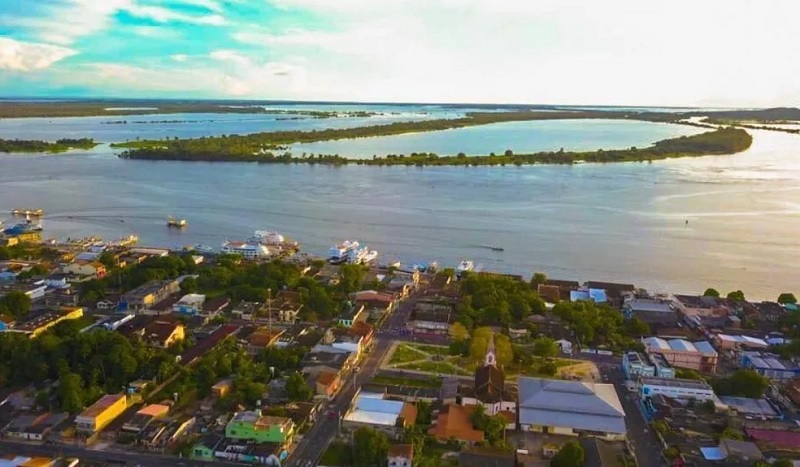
x=101, y=413
x=44, y=321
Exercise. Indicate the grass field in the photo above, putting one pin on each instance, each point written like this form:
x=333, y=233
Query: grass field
x=404, y=354
x=439, y=368
x=431, y=349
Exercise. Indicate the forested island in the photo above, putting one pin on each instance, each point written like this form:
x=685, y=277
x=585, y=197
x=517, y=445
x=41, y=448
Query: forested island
x=61, y=145
x=717, y=142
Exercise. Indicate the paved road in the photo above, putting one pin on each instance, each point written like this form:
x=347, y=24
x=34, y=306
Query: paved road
x=645, y=445
x=129, y=457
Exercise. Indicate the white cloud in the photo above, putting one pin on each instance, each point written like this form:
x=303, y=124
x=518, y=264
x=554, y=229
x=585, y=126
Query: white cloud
x=159, y=32
x=165, y=15
x=210, y=5
x=179, y=57
x=30, y=56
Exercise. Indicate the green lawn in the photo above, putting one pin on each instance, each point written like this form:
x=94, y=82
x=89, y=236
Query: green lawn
x=434, y=367
x=417, y=383
x=431, y=349
x=404, y=354
x=337, y=454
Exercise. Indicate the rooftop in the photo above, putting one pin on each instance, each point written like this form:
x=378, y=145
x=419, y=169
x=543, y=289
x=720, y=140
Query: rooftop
x=372, y=409
x=649, y=304
x=677, y=383
x=401, y=450
x=146, y=289
x=747, y=406
x=101, y=405
x=657, y=344
x=455, y=421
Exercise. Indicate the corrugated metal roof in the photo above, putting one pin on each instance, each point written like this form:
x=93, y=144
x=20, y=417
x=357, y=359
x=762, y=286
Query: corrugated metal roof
x=682, y=345
x=371, y=404
x=656, y=343
x=705, y=348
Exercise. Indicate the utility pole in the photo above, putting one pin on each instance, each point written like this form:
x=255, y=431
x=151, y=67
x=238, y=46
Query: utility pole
x=269, y=309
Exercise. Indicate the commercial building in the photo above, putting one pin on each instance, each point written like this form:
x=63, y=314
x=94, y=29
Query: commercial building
x=734, y=342
x=101, y=413
x=38, y=323
x=431, y=317
x=635, y=366
x=681, y=353
x=388, y=416
x=190, y=304
x=147, y=295
x=252, y=426
x=769, y=366
x=570, y=408
x=662, y=367
x=676, y=388
x=655, y=312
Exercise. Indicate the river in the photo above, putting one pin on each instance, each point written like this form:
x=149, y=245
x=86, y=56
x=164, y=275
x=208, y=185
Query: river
x=615, y=222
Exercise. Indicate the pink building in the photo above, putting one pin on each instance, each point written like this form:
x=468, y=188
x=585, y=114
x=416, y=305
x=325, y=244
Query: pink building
x=681, y=353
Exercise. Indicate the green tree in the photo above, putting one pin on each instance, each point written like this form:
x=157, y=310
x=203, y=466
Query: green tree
x=570, y=455
x=16, y=304
x=711, y=293
x=189, y=285
x=742, y=383
x=538, y=278
x=70, y=392
x=352, y=275
x=548, y=369
x=783, y=463
x=736, y=295
x=108, y=260
x=636, y=327
x=458, y=332
x=480, y=342
x=545, y=347
x=732, y=433
x=297, y=389
x=369, y=447
x=787, y=297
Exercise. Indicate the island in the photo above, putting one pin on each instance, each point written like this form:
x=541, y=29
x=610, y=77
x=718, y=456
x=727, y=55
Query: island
x=33, y=146
x=717, y=142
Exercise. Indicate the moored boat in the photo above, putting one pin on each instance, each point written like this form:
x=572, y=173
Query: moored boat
x=464, y=266
x=28, y=212
x=341, y=252
x=176, y=223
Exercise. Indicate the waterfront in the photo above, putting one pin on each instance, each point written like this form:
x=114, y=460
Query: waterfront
x=623, y=222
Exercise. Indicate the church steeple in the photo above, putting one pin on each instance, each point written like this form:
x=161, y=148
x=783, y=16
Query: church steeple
x=491, y=354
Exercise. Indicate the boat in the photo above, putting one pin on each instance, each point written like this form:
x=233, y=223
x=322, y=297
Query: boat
x=178, y=223
x=126, y=241
x=21, y=228
x=270, y=238
x=369, y=257
x=28, y=212
x=202, y=248
x=248, y=250
x=340, y=253
x=464, y=266
x=497, y=248
x=357, y=255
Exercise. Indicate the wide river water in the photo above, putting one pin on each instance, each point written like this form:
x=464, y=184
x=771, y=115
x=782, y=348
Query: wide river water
x=615, y=222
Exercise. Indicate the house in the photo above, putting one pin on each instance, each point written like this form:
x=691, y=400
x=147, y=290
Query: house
x=759, y=409
x=661, y=312
x=6, y=322
x=565, y=346
x=164, y=332
x=585, y=294
x=733, y=452
x=66, y=297
x=262, y=338
x=769, y=365
x=189, y=304
x=248, y=310
x=570, y=408
x=216, y=305
x=84, y=267
x=355, y=339
x=143, y=417
x=615, y=292
x=371, y=410
x=147, y=295
x=285, y=307
x=635, y=366
x=324, y=358
x=400, y=455
x=35, y=289
x=37, y=323
x=101, y=413
x=355, y=313
x=454, y=422
x=252, y=426
x=375, y=299
x=489, y=389
x=486, y=457
x=518, y=331
x=735, y=342
x=327, y=384
x=302, y=413
x=205, y=446
x=681, y=353
x=554, y=290
x=105, y=305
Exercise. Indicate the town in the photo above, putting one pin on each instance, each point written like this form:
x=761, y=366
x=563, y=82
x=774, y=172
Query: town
x=119, y=354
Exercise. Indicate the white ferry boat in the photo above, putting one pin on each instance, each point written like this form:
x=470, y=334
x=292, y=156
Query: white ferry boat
x=248, y=250
x=275, y=239
x=342, y=252
x=464, y=266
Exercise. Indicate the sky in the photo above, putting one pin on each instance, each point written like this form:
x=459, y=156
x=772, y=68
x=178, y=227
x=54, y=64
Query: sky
x=733, y=53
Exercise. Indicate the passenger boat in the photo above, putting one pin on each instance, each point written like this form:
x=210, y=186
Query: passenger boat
x=248, y=250
x=177, y=223
x=341, y=252
x=28, y=212
x=270, y=238
x=464, y=266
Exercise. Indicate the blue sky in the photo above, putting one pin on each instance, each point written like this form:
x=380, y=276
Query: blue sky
x=681, y=52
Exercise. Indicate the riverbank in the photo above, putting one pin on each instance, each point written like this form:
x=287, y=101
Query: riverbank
x=34, y=146
x=718, y=142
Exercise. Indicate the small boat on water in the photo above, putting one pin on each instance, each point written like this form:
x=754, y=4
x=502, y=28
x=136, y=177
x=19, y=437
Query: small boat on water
x=270, y=238
x=464, y=266
x=28, y=212
x=21, y=228
x=340, y=253
x=176, y=223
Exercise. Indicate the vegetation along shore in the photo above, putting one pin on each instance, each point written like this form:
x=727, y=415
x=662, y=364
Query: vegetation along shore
x=720, y=141
x=33, y=146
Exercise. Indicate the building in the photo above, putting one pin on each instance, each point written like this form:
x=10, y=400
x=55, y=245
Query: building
x=400, y=455
x=486, y=457
x=38, y=323
x=355, y=313
x=635, y=366
x=262, y=338
x=454, y=422
x=147, y=295
x=570, y=408
x=222, y=388
x=681, y=353
x=733, y=452
x=489, y=390
x=33, y=289
x=760, y=409
x=371, y=410
x=142, y=418
x=101, y=413
x=164, y=332
x=34, y=427
x=86, y=268
x=431, y=317
x=689, y=305
x=252, y=426
x=731, y=342
x=190, y=304
x=769, y=365
x=663, y=369
x=654, y=312
x=250, y=251
x=676, y=388
x=594, y=295
x=327, y=384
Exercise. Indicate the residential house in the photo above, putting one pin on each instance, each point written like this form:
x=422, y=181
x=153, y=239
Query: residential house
x=252, y=426
x=327, y=384
x=302, y=413
x=570, y=408
x=86, y=268
x=615, y=292
x=216, y=305
x=454, y=422
x=656, y=312
x=147, y=295
x=554, y=290
x=325, y=358
x=371, y=410
x=57, y=281
x=518, y=331
x=35, y=289
x=205, y=446
x=689, y=305
x=285, y=307
x=354, y=313
x=249, y=310
x=262, y=338
x=736, y=342
x=143, y=417
x=101, y=413
x=164, y=332
x=400, y=455
x=769, y=365
x=402, y=283
x=34, y=427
